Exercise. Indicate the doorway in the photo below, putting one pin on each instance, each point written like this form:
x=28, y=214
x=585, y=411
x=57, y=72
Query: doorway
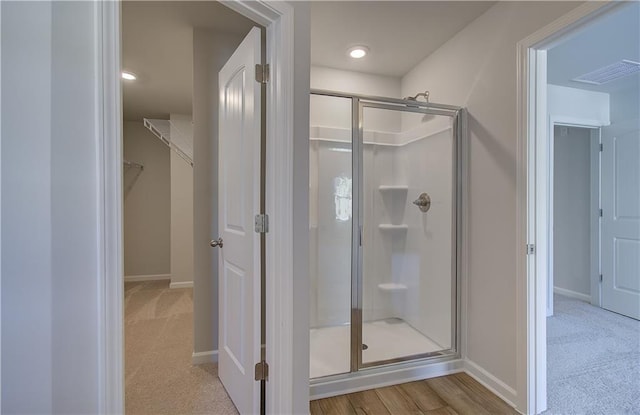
x=574, y=220
x=621, y=89
x=171, y=328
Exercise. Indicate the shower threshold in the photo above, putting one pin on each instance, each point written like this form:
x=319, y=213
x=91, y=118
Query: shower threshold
x=386, y=339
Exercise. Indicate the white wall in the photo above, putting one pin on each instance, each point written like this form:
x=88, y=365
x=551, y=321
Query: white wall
x=572, y=209
x=625, y=110
x=324, y=114
x=147, y=203
x=181, y=206
x=476, y=69
x=577, y=105
x=50, y=267
x=75, y=240
x=354, y=82
x=26, y=208
x=210, y=52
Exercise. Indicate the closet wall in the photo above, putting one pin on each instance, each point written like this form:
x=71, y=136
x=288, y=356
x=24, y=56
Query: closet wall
x=147, y=205
x=181, y=207
x=158, y=206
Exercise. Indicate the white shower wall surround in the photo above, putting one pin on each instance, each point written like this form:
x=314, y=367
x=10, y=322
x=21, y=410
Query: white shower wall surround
x=407, y=269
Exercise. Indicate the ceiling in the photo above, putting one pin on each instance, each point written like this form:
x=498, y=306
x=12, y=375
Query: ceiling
x=157, y=45
x=399, y=34
x=608, y=40
x=157, y=41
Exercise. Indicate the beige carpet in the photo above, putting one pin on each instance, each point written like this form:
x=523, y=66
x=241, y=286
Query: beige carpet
x=593, y=360
x=159, y=377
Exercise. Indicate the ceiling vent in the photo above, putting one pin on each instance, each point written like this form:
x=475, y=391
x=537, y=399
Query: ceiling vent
x=610, y=73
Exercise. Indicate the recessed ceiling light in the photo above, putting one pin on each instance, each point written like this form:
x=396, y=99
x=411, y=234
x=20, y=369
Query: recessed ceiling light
x=129, y=76
x=358, y=52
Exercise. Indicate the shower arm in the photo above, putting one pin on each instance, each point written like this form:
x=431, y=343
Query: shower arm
x=424, y=94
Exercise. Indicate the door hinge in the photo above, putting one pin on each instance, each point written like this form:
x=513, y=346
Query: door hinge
x=262, y=371
x=262, y=73
x=600, y=213
x=600, y=277
x=531, y=249
x=262, y=223
x=601, y=147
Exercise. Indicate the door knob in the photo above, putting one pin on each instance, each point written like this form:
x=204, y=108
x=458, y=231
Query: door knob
x=216, y=243
x=423, y=202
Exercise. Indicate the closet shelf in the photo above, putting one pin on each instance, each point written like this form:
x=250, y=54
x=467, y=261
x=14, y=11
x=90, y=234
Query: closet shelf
x=389, y=227
x=133, y=164
x=389, y=188
x=392, y=286
x=169, y=134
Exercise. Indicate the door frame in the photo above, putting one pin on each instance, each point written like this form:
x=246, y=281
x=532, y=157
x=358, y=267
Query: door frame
x=531, y=212
x=278, y=18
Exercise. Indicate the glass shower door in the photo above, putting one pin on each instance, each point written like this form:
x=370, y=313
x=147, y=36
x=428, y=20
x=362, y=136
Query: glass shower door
x=408, y=221
x=330, y=231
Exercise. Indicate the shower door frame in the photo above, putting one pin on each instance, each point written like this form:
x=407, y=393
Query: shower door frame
x=458, y=116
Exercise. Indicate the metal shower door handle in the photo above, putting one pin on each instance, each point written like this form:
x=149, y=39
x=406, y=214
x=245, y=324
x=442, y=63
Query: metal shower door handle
x=216, y=243
x=423, y=202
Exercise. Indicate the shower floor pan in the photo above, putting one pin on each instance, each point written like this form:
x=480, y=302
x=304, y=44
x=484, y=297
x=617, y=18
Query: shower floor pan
x=385, y=339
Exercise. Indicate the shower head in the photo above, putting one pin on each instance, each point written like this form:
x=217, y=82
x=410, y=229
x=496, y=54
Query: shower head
x=424, y=94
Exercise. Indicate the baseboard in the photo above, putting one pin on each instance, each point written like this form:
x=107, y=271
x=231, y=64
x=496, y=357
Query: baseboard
x=378, y=378
x=495, y=385
x=158, y=277
x=184, y=284
x=572, y=294
x=381, y=377
x=200, y=358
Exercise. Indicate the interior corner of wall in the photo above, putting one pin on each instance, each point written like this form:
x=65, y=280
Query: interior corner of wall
x=491, y=382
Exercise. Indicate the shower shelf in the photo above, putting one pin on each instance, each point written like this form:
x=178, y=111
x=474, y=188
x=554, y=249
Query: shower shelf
x=388, y=188
x=387, y=227
x=392, y=286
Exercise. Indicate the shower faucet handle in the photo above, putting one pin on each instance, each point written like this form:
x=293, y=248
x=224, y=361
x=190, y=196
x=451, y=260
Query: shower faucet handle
x=423, y=202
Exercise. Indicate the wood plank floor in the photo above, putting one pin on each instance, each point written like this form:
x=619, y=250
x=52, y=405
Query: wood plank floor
x=446, y=395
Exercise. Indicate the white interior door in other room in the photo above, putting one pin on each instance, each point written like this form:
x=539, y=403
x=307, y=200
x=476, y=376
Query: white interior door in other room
x=239, y=201
x=620, y=244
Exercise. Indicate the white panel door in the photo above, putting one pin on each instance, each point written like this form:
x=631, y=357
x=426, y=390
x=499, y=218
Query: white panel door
x=239, y=201
x=620, y=242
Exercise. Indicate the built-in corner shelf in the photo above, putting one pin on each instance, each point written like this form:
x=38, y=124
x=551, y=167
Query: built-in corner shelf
x=392, y=286
x=393, y=188
x=387, y=227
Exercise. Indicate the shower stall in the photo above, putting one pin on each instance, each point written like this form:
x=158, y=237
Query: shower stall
x=384, y=230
